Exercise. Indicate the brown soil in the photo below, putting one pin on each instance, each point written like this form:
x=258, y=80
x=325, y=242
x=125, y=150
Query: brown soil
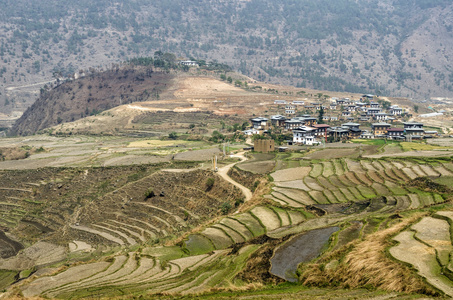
x=246, y=178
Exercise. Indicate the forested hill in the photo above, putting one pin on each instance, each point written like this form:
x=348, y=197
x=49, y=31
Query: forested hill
x=392, y=47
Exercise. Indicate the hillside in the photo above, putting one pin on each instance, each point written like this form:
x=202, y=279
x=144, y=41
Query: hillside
x=386, y=47
x=92, y=94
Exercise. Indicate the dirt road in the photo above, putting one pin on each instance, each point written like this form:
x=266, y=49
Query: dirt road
x=223, y=172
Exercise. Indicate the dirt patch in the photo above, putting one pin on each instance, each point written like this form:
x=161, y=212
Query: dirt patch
x=291, y=174
x=300, y=249
x=334, y=153
x=198, y=155
x=246, y=178
x=258, y=167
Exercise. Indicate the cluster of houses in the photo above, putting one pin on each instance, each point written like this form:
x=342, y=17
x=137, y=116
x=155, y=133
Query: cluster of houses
x=307, y=131
x=363, y=110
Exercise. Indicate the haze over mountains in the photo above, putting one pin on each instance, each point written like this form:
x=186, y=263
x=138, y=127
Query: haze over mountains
x=387, y=47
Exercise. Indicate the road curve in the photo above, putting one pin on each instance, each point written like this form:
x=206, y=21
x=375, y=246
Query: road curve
x=223, y=172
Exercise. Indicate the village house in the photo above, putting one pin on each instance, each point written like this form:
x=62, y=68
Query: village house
x=320, y=130
x=368, y=97
x=189, y=63
x=251, y=131
x=293, y=123
x=431, y=133
x=351, y=107
x=366, y=135
x=278, y=120
x=342, y=102
x=413, y=129
x=290, y=109
x=304, y=135
x=374, y=105
x=395, y=133
x=297, y=102
x=354, y=130
x=381, y=116
x=395, y=110
x=333, y=106
x=259, y=123
x=339, y=133
x=279, y=102
x=346, y=114
x=310, y=121
x=364, y=119
x=379, y=129
x=372, y=111
x=351, y=125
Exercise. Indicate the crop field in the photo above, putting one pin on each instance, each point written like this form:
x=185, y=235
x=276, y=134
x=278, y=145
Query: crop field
x=165, y=230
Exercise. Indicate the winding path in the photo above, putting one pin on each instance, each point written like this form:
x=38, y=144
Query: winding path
x=223, y=172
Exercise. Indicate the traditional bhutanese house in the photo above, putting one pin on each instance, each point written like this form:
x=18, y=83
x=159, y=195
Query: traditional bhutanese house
x=372, y=111
x=259, y=123
x=321, y=130
x=333, y=118
x=251, y=131
x=431, y=133
x=364, y=119
x=333, y=106
x=338, y=132
x=290, y=109
x=354, y=133
x=374, y=105
x=367, y=97
x=413, y=125
x=293, y=123
x=341, y=102
x=278, y=120
x=310, y=121
x=361, y=106
x=346, y=114
x=317, y=105
x=279, y=102
x=351, y=107
x=366, y=135
x=381, y=116
x=304, y=135
x=351, y=125
x=396, y=111
x=309, y=107
x=413, y=130
x=297, y=102
x=350, y=119
x=380, y=129
x=395, y=133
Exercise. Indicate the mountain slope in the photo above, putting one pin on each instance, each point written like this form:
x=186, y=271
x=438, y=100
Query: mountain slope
x=391, y=47
x=92, y=94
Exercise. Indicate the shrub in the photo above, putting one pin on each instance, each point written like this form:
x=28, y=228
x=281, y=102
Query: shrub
x=210, y=183
x=149, y=193
x=225, y=208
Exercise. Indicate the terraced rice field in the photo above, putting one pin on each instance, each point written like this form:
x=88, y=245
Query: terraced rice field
x=243, y=227
x=348, y=180
x=427, y=246
x=133, y=273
